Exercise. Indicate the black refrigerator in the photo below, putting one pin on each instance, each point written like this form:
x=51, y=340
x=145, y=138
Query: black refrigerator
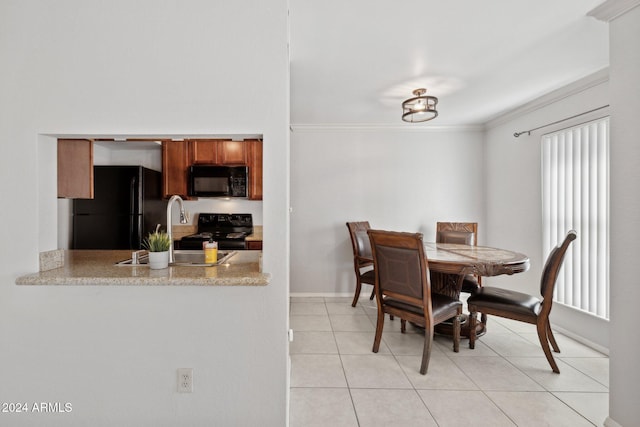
x=127, y=205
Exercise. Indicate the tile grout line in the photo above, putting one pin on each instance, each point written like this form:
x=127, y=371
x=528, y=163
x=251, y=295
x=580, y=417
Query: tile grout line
x=344, y=373
x=544, y=389
x=583, y=372
x=404, y=372
x=456, y=360
x=480, y=389
x=570, y=407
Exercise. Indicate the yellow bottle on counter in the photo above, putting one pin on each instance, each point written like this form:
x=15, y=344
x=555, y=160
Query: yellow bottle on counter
x=211, y=252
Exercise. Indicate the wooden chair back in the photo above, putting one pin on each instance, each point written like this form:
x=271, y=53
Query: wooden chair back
x=403, y=289
x=362, y=257
x=360, y=244
x=401, y=266
x=550, y=272
x=465, y=233
x=457, y=232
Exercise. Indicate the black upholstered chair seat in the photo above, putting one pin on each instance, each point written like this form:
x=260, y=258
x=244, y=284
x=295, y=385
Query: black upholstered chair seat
x=442, y=305
x=505, y=299
x=470, y=284
x=368, y=277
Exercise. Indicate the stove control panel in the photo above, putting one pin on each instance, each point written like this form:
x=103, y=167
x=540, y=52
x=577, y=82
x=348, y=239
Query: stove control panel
x=212, y=222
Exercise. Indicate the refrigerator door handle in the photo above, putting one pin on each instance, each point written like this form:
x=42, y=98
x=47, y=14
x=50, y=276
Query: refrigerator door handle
x=133, y=226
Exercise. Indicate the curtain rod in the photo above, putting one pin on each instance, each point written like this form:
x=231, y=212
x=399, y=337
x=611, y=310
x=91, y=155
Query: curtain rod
x=528, y=132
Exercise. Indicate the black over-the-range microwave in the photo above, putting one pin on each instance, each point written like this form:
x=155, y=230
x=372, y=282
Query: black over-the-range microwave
x=218, y=181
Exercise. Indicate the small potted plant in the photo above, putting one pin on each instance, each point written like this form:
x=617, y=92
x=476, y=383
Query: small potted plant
x=158, y=244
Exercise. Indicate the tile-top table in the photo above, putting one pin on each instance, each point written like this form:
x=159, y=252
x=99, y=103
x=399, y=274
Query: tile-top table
x=458, y=260
x=449, y=263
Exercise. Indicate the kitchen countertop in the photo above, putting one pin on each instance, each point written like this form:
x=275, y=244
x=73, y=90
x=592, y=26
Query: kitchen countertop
x=256, y=235
x=98, y=267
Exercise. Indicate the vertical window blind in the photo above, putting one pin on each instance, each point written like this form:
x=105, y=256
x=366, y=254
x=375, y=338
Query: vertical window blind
x=575, y=192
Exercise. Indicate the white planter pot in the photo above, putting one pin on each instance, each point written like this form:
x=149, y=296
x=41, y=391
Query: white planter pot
x=158, y=260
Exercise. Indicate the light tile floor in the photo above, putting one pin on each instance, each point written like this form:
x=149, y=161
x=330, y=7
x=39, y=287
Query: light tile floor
x=505, y=381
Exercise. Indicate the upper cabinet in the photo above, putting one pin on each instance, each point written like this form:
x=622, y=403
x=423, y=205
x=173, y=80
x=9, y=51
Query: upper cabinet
x=75, y=168
x=232, y=153
x=204, y=151
x=177, y=156
x=254, y=162
x=219, y=152
x=175, y=165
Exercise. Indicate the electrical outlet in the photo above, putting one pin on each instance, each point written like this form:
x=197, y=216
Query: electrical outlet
x=185, y=380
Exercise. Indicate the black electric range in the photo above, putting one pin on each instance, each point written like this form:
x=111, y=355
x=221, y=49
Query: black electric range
x=229, y=230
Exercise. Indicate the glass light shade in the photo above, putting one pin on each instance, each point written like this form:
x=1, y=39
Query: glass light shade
x=421, y=108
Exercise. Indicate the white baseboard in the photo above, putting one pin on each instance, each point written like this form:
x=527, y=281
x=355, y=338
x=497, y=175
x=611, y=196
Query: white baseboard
x=321, y=294
x=610, y=423
x=582, y=340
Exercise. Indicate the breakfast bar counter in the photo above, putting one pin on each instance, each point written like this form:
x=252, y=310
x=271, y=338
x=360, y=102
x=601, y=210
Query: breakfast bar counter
x=99, y=267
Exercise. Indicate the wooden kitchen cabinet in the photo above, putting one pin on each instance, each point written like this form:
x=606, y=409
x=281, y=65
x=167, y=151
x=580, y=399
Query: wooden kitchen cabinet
x=177, y=156
x=254, y=162
x=204, y=151
x=75, y=168
x=232, y=153
x=253, y=245
x=219, y=152
x=175, y=168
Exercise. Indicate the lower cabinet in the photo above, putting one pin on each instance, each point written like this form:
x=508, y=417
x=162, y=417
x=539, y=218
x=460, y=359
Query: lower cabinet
x=255, y=245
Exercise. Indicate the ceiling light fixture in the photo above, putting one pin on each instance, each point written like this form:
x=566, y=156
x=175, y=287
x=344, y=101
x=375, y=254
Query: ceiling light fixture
x=421, y=108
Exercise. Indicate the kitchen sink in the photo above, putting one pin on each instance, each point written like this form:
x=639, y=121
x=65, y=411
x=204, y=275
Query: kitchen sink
x=188, y=258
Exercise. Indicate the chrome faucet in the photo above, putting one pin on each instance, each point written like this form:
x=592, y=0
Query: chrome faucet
x=184, y=218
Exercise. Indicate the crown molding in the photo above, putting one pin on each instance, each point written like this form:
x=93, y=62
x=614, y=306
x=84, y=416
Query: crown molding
x=611, y=9
x=371, y=127
x=574, y=88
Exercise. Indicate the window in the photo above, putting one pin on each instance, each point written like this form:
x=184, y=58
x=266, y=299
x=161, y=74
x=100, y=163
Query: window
x=575, y=192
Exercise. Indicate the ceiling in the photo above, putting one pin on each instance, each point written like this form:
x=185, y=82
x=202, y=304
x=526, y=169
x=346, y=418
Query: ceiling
x=354, y=62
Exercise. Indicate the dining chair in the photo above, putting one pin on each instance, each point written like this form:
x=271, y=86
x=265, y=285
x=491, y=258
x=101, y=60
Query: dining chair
x=362, y=258
x=524, y=307
x=403, y=289
x=465, y=233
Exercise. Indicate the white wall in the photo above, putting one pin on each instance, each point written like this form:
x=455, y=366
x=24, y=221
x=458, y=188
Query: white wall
x=625, y=218
x=254, y=207
x=400, y=179
x=513, y=190
x=117, y=154
x=89, y=67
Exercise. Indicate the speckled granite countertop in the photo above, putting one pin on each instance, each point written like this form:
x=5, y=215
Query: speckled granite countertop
x=98, y=267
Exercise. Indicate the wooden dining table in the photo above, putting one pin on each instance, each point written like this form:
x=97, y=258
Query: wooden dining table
x=449, y=263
